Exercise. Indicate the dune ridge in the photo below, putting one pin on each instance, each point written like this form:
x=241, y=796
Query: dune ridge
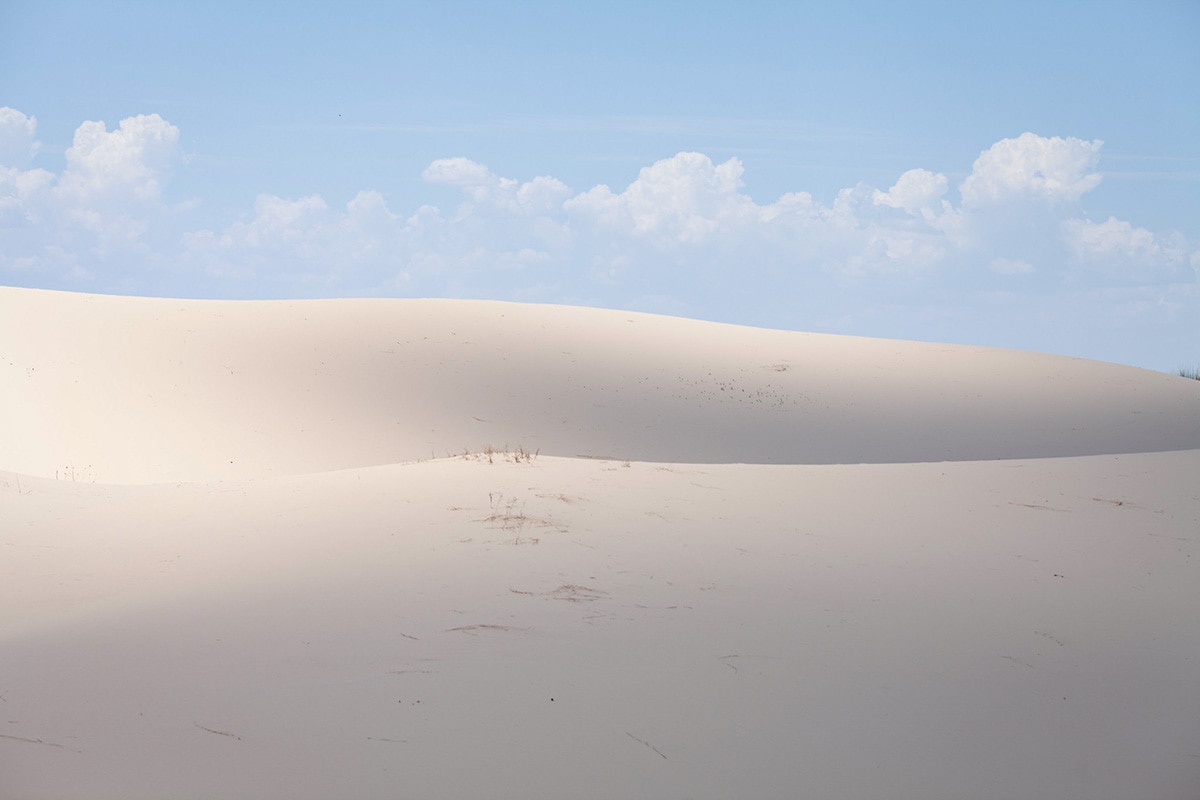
x=138, y=390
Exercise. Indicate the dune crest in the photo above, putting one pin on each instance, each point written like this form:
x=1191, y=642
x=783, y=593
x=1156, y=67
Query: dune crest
x=138, y=390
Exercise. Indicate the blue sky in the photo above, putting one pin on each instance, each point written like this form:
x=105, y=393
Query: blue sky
x=1020, y=174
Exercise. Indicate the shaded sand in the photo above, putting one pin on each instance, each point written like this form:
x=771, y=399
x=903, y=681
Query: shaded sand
x=230, y=568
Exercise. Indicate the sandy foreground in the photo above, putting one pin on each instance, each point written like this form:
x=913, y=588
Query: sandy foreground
x=243, y=554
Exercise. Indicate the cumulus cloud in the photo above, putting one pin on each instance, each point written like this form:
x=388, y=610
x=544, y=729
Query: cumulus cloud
x=459, y=171
x=914, y=190
x=21, y=188
x=303, y=236
x=1122, y=251
x=1113, y=237
x=689, y=213
x=1032, y=167
x=21, y=195
x=682, y=234
x=18, y=138
x=100, y=207
x=483, y=187
x=685, y=198
x=279, y=221
x=126, y=165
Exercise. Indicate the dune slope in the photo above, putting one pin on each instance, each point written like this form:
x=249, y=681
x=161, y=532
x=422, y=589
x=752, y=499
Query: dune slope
x=236, y=560
x=569, y=628
x=133, y=390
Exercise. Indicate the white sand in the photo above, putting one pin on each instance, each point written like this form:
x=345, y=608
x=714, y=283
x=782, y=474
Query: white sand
x=814, y=566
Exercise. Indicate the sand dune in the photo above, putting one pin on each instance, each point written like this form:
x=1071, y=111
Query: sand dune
x=128, y=390
x=237, y=561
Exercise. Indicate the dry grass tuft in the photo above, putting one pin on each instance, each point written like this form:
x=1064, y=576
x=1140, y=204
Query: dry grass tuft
x=508, y=514
x=490, y=454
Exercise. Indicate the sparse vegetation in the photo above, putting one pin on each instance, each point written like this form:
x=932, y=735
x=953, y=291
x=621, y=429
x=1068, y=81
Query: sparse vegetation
x=508, y=514
x=1190, y=372
x=505, y=514
x=490, y=454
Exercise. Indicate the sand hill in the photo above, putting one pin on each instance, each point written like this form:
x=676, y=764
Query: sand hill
x=437, y=548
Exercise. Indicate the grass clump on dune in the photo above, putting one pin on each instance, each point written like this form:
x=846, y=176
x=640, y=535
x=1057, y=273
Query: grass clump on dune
x=490, y=454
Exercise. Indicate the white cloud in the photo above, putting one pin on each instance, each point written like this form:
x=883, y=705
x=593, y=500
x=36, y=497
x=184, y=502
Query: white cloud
x=914, y=190
x=100, y=207
x=484, y=188
x=127, y=165
x=691, y=213
x=21, y=195
x=1113, y=237
x=1032, y=167
x=685, y=197
x=1118, y=250
x=21, y=189
x=683, y=234
x=541, y=195
x=280, y=221
x=18, y=138
x=303, y=235
x=458, y=171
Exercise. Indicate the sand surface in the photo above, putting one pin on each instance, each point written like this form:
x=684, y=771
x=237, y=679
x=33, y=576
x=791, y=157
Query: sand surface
x=243, y=555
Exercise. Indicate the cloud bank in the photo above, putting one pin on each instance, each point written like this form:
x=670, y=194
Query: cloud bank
x=683, y=236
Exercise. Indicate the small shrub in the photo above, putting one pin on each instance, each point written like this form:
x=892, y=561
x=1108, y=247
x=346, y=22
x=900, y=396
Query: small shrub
x=1190, y=372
